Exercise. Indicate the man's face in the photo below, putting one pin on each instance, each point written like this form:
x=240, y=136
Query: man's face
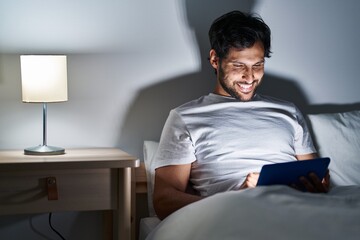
x=240, y=72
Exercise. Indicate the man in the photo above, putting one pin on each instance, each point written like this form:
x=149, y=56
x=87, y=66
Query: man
x=219, y=142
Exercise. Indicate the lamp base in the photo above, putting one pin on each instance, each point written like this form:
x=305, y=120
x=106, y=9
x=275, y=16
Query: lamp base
x=44, y=150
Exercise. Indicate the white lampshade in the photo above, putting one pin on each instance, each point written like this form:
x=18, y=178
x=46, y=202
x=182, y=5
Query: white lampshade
x=44, y=78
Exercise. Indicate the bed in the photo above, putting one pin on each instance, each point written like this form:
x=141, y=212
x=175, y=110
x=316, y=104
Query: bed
x=275, y=212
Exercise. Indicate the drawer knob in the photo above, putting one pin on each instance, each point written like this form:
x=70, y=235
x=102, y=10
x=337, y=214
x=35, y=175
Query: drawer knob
x=51, y=186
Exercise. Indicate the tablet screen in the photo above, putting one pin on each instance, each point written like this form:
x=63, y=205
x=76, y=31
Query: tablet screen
x=289, y=173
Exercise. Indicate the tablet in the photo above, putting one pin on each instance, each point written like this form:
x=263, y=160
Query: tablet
x=289, y=173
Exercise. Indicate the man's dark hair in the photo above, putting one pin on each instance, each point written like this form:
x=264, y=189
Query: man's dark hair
x=238, y=30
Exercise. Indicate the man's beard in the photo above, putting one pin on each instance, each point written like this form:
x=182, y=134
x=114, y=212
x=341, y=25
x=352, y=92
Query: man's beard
x=232, y=92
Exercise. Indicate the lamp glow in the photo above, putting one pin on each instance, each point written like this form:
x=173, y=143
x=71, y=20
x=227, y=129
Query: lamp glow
x=44, y=80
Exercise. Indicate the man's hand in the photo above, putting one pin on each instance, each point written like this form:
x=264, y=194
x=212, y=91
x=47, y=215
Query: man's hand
x=250, y=181
x=313, y=184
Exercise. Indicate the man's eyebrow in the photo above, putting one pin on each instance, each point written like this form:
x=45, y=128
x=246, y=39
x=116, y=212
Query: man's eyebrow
x=239, y=62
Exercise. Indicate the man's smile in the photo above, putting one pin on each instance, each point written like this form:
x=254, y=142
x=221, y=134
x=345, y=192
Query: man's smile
x=246, y=87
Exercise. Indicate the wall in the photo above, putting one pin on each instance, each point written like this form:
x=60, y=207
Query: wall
x=130, y=62
x=316, y=47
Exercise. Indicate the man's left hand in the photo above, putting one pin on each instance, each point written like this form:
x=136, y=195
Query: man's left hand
x=313, y=184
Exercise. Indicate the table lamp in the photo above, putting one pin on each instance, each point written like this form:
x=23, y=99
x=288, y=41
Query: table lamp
x=44, y=80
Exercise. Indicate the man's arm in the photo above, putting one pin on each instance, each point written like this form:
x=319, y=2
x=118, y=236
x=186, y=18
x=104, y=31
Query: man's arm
x=170, y=187
x=306, y=156
x=312, y=183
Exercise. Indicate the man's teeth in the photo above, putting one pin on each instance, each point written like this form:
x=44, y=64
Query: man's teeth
x=246, y=86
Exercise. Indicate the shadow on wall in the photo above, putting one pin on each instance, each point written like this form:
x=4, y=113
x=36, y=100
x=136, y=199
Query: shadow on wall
x=289, y=90
x=148, y=113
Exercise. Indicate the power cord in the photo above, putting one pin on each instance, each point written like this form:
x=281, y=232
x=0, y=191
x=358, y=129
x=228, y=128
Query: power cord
x=52, y=228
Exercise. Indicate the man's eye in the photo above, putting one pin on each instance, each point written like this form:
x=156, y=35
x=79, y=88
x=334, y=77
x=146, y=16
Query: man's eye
x=258, y=66
x=239, y=65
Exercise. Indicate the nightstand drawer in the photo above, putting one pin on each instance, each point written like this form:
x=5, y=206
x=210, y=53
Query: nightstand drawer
x=86, y=179
x=77, y=189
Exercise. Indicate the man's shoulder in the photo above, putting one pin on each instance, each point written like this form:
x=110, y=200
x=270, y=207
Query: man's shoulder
x=274, y=100
x=201, y=101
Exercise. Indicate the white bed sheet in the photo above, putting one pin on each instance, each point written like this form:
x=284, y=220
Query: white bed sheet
x=147, y=224
x=272, y=212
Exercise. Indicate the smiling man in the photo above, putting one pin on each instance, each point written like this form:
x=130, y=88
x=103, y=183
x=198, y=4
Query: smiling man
x=220, y=141
x=240, y=73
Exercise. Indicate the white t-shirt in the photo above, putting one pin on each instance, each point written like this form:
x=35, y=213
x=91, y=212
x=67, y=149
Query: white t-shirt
x=225, y=139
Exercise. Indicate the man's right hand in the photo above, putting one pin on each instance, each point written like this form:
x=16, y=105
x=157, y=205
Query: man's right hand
x=250, y=181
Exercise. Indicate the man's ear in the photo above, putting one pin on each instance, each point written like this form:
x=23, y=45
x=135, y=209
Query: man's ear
x=214, y=60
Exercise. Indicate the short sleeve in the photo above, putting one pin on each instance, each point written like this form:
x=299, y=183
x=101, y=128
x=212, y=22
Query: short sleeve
x=303, y=141
x=175, y=146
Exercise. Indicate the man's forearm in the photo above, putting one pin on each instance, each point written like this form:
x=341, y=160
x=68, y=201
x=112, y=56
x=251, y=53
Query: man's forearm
x=171, y=200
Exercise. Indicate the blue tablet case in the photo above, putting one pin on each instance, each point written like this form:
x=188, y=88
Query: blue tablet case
x=288, y=173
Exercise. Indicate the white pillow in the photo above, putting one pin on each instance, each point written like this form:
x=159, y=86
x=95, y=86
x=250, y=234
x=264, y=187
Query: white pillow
x=337, y=135
x=150, y=148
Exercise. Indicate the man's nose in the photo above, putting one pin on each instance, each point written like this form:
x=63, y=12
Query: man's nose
x=248, y=75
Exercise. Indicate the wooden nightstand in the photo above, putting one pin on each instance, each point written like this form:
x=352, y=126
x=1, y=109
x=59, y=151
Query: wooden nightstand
x=79, y=180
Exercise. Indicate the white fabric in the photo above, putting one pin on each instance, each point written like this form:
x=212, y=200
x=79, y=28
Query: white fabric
x=337, y=136
x=149, y=149
x=226, y=139
x=147, y=225
x=273, y=212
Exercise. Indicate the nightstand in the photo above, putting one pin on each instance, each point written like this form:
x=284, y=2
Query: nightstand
x=80, y=180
